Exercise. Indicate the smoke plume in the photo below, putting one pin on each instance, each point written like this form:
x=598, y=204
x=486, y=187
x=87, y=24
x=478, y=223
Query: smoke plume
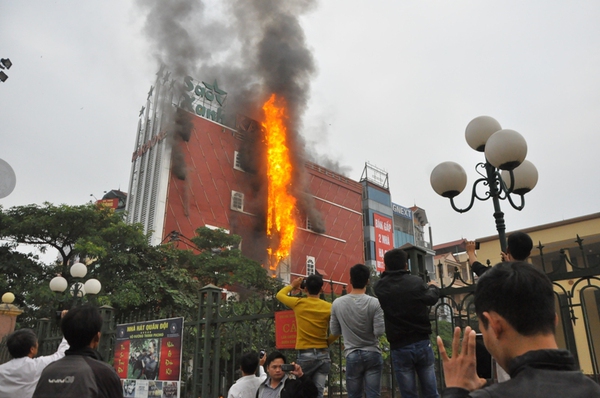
x=255, y=48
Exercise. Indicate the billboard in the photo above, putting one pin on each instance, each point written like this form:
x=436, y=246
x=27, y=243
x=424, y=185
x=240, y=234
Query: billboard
x=148, y=358
x=384, y=238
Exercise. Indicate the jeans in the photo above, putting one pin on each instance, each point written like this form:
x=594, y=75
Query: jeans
x=363, y=373
x=315, y=363
x=415, y=360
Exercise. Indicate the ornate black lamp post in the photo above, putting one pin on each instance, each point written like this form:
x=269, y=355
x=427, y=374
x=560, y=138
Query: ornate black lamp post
x=504, y=174
x=78, y=289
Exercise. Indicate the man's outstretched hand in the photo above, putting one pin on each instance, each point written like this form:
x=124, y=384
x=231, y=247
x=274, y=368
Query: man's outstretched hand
x=461, y=369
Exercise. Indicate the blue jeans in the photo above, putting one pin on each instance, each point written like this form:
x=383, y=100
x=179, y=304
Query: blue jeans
x=415, y=360
x=363, y=373
x=315, y=363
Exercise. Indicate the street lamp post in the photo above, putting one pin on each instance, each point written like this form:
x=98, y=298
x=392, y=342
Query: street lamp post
x=78, y=289
x=505, y=171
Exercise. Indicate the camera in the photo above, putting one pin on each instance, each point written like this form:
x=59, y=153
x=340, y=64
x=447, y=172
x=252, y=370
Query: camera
x=57, y=316
x=261, y=354
x=287, y=367
x=303, y=284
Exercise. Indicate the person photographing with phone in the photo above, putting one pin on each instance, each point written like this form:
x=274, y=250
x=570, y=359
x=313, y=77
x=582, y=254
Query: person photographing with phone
x=312, y=322
x=280, y=385
x=247, y=385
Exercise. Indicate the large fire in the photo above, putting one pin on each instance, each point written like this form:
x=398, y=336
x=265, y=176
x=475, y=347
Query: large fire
x=281, y=204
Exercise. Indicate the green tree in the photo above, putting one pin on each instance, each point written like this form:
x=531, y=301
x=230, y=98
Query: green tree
x=136, y=277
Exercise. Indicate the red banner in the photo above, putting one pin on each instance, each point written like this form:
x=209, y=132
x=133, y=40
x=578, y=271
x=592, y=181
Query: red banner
x=169, y=359
x=384, y=238
x=285, y=330
x=122, y=358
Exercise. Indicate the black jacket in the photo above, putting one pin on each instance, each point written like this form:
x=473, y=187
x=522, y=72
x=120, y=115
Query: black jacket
x=405, y=300
x=294, y=388
x=478, y=268
x=80, y=374
x=540, y=373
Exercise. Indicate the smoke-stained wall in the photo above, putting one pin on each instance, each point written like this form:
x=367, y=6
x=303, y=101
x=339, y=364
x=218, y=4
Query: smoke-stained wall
x=253, y=47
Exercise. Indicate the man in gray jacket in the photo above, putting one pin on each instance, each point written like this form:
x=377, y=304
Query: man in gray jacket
x=81, y=373
x=359, y=319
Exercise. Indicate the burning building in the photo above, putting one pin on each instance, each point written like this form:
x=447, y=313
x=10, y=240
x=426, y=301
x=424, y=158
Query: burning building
x=194, y=165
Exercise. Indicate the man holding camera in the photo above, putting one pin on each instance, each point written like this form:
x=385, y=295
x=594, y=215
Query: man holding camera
x=405, y=300
x=280, y=385
x=312, y=322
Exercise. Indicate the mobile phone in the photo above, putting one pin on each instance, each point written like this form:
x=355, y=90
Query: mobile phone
x=477, y=245
x=287, y=367
x=484, y=359
x=303, y=284
x=261, y=354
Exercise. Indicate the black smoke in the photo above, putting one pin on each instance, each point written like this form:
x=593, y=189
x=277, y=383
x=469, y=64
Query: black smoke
x=254, y=48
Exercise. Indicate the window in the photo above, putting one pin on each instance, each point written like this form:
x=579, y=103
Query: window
x=237, y=162
x=308, y=224
x=310, y=265
x=237, y=201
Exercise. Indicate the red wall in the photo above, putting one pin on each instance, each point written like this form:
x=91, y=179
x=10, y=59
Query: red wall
x=204, y=197
x=341, y=245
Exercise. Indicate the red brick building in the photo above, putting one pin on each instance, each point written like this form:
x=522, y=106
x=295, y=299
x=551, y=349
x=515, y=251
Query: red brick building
x=179, y=185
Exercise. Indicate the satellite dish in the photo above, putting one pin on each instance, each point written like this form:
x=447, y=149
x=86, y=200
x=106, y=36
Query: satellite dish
x=8, y=179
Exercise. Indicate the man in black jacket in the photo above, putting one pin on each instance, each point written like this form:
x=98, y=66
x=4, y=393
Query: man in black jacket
x=518, y=248
x=405, y=300
x=81, y=373
x=514, y=303
x=280, y=385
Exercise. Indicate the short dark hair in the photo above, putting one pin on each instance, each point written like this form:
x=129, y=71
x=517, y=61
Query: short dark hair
x=249, y=362
x=314, y=284
x=273, y=356
x=19, y=343
x=80, y=325
x=359, y=276
x=520, y=294
x=395, y=259
x=519, y=245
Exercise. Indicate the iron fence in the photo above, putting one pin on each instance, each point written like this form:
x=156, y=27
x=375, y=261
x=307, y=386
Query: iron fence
x=225, y=329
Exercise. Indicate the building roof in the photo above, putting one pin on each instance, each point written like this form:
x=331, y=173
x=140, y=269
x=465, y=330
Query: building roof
x=541, y=227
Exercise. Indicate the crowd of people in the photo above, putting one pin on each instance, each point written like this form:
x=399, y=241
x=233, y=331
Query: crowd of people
x=514, y=303
x=76, y=370
x=520, y=338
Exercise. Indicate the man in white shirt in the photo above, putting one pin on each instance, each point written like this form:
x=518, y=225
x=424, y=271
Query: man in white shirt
x=19, y=376
x=247, y=385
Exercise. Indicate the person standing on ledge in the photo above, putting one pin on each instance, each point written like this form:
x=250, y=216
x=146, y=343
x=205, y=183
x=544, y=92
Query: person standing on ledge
x=312, y=322
x=359, y=319
x=518, y=248
x=405, y=300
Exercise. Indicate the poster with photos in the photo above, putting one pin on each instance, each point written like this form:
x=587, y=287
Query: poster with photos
x=148, y=358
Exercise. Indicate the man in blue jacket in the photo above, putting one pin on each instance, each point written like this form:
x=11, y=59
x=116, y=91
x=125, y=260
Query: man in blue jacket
x=405, y=300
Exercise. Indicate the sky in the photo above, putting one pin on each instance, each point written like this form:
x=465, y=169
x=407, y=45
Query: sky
x=394, y=85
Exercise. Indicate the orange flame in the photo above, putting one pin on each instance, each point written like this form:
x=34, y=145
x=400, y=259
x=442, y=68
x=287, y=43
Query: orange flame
x=280, y=216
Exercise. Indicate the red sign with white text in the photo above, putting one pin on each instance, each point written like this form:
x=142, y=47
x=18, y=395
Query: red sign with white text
x=285, y=330
x=384, y=238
